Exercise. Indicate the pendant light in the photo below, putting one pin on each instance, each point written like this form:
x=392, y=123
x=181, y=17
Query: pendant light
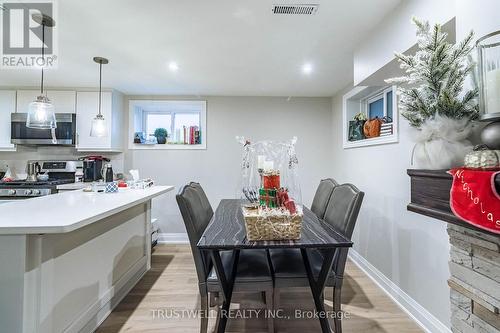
x=41, y=112
x=98, y=127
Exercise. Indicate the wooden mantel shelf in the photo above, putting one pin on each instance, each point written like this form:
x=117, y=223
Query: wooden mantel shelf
x=430, y=196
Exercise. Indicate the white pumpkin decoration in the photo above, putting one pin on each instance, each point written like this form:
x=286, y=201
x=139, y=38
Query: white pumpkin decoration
x=483, y=158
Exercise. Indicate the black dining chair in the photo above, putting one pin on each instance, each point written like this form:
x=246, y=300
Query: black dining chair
x=322, y=196
x=253, y=273
x=288, y=266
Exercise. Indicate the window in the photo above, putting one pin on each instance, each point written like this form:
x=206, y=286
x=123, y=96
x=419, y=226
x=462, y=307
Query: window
x=369, y=102
x=154, y=120
x=177, y=123
x=185, y=122
x=380, y=105
x=376, y=108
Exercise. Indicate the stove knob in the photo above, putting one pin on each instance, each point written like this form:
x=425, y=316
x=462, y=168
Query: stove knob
x=36, y=192
x=12, y=192
x=27, y=192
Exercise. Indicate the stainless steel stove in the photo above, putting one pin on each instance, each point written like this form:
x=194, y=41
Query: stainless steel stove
x=59, y=172
x=24, y=189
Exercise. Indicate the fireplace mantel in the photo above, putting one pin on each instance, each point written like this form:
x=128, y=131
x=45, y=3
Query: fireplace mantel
x=430, y=196
x=474, y=255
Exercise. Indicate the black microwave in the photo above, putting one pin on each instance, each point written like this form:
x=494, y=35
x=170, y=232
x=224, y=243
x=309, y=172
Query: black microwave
x=64, y=134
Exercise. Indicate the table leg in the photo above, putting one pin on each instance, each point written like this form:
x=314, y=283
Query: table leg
x=226, y=283
x=318, y=286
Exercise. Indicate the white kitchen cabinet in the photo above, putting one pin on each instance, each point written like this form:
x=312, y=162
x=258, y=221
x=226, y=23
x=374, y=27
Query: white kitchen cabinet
x=64, y=100
x=24, y=98
x=7, y=106
x=87, y=106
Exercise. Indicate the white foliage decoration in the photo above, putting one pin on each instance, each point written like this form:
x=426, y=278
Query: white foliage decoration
x=435, y=75
x=442, y=143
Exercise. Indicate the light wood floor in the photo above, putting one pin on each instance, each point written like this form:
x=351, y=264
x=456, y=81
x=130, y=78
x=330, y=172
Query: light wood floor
x=172, y=284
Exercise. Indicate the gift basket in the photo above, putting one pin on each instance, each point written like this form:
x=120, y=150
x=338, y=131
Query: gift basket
x=272, y=201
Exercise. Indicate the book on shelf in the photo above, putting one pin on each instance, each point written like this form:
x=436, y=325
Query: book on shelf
x=191, y=135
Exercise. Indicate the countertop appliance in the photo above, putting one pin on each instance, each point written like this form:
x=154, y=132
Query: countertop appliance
x=64, y=134
x=59, y=172
x=92, y=167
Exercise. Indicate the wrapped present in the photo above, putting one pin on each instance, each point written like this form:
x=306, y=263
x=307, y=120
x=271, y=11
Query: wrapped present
x=282, y=197
x=267, y=198
x=270, y=189
x=271, y=179
x=290, y=205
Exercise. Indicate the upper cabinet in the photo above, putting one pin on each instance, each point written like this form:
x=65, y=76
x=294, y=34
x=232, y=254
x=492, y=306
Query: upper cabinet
x=84, y=103
x=87, y=106
x=64, y=101
x=7, y=106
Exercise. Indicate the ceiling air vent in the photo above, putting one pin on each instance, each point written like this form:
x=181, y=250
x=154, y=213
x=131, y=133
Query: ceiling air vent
x=295, y=9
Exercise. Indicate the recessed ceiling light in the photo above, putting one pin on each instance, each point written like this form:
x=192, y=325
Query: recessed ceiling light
x=173, y=66
x=307, y=68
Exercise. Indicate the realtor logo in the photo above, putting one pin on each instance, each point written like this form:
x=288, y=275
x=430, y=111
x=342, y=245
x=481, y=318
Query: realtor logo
x=22, y=36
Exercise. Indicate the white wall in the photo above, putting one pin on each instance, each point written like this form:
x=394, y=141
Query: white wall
x=395, y=33
x=217, y=167
x=482, y=16
x=409, y=249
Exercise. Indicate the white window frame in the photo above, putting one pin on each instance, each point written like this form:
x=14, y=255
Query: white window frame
x=375, y=97
x=170, y=108
x=355, y=101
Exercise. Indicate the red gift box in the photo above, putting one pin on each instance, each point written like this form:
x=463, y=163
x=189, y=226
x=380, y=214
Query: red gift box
x=271, y=181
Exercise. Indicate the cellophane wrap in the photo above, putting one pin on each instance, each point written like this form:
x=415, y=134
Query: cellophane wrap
x=284, y=158
x=270, y=159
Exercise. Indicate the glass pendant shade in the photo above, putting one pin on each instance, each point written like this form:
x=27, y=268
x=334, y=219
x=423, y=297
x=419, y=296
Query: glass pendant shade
x=41, y=114
x=98, y=127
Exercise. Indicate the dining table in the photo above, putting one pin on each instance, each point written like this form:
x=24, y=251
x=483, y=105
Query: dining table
x=226, y=231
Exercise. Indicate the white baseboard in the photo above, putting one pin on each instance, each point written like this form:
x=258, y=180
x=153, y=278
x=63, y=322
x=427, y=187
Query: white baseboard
x=173, y=238
x=418, y=313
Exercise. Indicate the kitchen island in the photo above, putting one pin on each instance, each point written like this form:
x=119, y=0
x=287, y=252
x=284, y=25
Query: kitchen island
x=66, y=260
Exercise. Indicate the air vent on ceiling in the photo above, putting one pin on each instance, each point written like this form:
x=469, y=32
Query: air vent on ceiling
x=295, y=9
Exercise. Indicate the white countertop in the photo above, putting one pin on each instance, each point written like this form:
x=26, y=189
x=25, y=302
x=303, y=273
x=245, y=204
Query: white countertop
x=73, y=186
x=68, y=211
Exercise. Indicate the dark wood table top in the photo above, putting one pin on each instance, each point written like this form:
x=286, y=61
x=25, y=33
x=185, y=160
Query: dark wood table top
x=226, y=231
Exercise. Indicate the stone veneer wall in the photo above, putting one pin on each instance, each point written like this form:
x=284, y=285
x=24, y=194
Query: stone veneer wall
x=475, y=280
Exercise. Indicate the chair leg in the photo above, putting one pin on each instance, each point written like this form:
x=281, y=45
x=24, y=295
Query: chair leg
x=204, y=312
x=217, y=318
x=337, y=319
x=270, y=307
x=276, y=296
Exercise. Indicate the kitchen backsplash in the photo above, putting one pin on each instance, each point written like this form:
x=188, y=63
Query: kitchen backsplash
x=17, y=160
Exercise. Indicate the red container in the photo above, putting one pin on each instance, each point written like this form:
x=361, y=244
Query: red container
x=271, y=181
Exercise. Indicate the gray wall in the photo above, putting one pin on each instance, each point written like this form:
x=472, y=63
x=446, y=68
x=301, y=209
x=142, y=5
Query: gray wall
x=217, y=168
x=411, y=250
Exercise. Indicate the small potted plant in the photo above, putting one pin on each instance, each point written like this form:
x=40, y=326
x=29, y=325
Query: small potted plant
x=161, y=135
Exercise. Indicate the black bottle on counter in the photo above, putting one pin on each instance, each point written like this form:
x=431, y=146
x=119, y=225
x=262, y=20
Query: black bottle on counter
x=108, y=173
